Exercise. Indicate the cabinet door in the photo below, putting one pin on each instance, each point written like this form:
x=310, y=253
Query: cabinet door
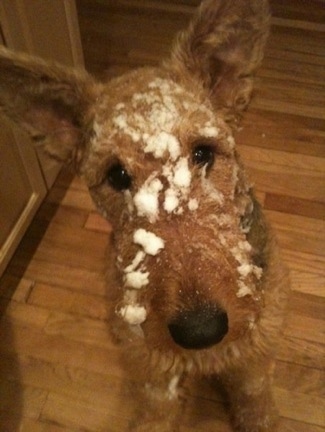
x=49, y=29
x=22, y=189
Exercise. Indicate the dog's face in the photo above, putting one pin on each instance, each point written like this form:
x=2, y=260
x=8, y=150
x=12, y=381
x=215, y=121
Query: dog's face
x=166, y=175
x=156, y=150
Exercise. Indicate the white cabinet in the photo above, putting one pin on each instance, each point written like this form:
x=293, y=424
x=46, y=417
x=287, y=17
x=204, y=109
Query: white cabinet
x=48, y=29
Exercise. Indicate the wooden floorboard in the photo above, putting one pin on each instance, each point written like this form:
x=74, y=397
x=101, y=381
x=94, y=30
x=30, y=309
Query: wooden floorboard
x=59, y=370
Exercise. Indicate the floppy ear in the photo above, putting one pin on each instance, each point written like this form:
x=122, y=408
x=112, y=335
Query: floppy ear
x=49, y=101
x=222, y=48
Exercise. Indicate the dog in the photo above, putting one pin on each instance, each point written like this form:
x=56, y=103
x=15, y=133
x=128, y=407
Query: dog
x=195, y=279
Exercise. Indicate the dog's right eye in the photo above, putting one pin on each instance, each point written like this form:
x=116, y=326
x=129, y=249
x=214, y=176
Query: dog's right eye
x=203, y=155
x=118, y=177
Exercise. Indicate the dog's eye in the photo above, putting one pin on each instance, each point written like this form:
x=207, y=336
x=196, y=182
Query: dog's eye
x=203, y=155
x=118, y=177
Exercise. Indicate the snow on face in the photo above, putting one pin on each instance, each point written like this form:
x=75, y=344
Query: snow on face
x=136, y=279
x=151, y=125
x=182, y=174
x=151, y=243
x=151, y=121
x=245, y=269
x=153, y=118
x=210, y=131
x=161, y=143
x=133, y=314
x=136, y=276
x=146, y=200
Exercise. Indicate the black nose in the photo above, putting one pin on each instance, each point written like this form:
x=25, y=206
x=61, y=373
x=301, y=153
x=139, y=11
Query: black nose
x=198, y=329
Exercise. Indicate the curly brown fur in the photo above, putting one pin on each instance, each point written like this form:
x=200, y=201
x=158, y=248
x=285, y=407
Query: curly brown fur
x=195, y=280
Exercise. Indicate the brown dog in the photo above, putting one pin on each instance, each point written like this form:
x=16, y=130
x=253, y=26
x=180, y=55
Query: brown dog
x=195, y=278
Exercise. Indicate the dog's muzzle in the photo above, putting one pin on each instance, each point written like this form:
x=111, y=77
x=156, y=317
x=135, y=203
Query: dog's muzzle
x=199, y=328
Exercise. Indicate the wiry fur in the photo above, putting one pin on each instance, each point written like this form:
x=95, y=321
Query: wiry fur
x=218, y=252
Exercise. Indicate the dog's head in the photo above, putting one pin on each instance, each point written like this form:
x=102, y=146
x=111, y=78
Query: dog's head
x=156, y=150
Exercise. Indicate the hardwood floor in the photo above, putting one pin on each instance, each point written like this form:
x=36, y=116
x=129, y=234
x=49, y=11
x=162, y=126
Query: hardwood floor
x=59, y=371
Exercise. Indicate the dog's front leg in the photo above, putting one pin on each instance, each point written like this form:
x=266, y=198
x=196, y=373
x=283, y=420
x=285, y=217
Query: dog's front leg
x=159, y=405
x=250, y=397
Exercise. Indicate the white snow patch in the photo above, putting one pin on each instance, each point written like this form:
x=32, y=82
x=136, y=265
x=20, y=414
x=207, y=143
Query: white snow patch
x=209, y=131
x=133, y=314
x=258, y=271
x=171, y=200
x=146, y=199
x=151, y=243
x=245, y=246
x=160, y=143
x=121, y=122
x=241, y=250
x=136, y=279
x=245, y=269
x=153, y=117
x=182, y=174
x=244, y=290
x=179, y=178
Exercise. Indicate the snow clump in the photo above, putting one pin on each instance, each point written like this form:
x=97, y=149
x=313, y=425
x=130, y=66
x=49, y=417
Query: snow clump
x=245, y=268
x=146, y=199
x=136, y=276
x=133, y=314
x=151, y=243
x=161, y=143
x=179, y=178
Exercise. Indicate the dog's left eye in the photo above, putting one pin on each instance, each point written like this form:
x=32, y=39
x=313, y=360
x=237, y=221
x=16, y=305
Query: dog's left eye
x=203, y=155
x=118, y=177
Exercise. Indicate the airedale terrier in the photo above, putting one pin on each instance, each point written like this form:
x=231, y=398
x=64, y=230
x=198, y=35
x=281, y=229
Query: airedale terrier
x=194, y=274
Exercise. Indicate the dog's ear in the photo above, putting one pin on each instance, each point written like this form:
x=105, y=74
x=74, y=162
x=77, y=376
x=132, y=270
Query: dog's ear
x=222, y=48
x=48, y=100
